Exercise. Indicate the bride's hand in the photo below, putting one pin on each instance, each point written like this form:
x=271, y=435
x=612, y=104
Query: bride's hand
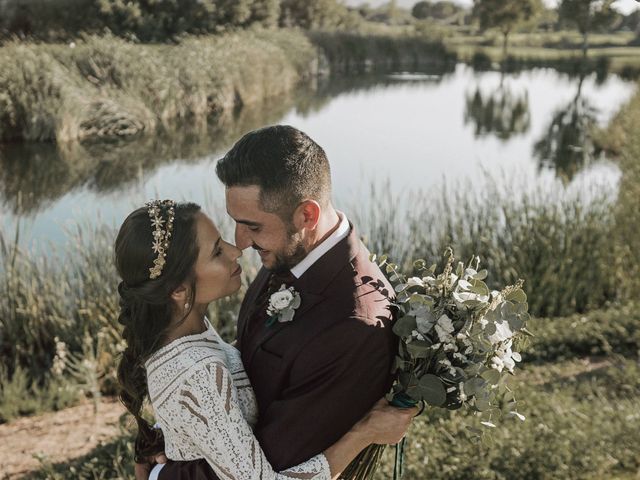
x=385, y=424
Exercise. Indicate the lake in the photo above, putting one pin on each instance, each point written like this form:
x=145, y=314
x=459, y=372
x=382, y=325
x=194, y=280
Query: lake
x=418, y=131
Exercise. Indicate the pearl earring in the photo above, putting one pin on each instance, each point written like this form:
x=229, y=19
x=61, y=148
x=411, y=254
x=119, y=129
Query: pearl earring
x=186, y=306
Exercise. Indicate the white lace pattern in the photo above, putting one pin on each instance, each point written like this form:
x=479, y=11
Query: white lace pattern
x=206, y=408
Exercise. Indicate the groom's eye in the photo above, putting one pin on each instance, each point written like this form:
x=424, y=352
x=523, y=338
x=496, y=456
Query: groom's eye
x=254, y=228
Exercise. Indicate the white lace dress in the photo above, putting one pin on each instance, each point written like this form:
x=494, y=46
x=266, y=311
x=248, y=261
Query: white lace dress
x=204, y=403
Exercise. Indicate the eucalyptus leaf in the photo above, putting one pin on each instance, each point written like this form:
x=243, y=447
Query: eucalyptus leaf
x=507, y=310
x=482, y=404
x=419, y=299
x=432, y=390
x=516, y=323
x=419, y=349
x=491, y=375
x=517, y=296
x=404, y=326
x=490, y=328
x=400, y=287
x=481, y=275
x=474, y=385
x=398, y=364
x=479, y=287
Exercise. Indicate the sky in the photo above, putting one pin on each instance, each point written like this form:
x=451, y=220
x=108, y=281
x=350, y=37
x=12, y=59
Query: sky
x=625, y=6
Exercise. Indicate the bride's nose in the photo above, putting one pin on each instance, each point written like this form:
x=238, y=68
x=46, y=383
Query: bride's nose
x=235, y=252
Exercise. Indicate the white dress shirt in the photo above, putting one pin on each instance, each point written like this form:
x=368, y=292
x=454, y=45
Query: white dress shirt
x=327, y=244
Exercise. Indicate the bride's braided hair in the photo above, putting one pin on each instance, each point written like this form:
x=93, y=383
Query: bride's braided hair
x=146, y=308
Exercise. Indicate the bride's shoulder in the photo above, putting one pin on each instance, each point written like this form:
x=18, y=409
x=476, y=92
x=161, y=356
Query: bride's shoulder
x=181, y=358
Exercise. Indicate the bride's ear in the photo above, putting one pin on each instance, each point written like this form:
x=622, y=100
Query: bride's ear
x=180, y=295
x=307, y=215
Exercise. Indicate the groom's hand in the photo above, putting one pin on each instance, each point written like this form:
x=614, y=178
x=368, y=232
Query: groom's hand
x=142, y=470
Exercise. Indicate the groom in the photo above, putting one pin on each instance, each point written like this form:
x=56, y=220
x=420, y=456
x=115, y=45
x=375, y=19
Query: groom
x=317, y=375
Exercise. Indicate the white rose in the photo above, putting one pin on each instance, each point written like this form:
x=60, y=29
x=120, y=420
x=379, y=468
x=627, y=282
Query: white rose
x=282, y=299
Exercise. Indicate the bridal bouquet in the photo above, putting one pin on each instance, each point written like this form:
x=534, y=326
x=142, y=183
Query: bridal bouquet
x=456, y=342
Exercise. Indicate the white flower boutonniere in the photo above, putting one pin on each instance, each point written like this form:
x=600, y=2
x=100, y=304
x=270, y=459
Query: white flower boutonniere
x=282, y=305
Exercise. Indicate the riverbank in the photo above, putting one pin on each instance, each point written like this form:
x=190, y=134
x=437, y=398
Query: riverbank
x=580, y=401
x=108, y=88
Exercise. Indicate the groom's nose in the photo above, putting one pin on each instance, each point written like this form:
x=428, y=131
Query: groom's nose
x=243, y=240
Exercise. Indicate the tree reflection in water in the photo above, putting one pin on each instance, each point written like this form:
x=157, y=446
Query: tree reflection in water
x=502, y=112
x=34, y=175
x=567, y=145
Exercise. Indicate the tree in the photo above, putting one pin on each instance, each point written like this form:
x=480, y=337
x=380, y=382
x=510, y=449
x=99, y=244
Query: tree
x=310, y=15
x=438, y=10
x=587, y=15
x=505, y=15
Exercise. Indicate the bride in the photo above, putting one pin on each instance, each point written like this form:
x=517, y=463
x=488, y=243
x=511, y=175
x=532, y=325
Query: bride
x=173, y=263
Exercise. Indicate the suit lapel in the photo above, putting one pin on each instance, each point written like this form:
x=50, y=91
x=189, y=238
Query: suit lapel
x=309, y=300
x=310, y=285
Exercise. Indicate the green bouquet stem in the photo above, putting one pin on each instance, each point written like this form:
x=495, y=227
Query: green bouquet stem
x=364, y=466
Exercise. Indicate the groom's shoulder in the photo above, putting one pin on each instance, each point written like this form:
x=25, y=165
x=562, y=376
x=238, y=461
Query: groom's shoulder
x=366, y=289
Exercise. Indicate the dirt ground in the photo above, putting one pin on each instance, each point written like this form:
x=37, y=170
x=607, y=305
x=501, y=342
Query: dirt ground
x=58, y=436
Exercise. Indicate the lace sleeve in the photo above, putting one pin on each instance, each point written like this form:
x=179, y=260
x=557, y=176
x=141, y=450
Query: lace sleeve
x=210, y=416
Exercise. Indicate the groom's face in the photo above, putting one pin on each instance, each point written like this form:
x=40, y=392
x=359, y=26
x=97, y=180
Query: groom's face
x=278, y=243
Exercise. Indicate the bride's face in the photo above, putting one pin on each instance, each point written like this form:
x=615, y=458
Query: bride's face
x=217, y=270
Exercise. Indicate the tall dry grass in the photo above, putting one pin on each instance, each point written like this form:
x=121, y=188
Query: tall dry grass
x=106, y=87
x=562, y=245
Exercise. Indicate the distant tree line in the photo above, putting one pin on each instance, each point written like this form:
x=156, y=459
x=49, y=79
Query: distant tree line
x=152, y=20
x=161, y=20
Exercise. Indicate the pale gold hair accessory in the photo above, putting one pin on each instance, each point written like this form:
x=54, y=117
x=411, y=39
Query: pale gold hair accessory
x=161, y=232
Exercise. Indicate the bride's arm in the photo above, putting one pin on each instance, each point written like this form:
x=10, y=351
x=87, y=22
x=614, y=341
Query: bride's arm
x=207, y=413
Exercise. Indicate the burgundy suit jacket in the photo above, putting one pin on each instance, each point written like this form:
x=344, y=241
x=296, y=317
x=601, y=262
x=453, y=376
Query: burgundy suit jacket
x=317, y=375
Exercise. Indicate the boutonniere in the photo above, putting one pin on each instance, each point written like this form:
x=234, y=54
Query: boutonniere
x=282, y=305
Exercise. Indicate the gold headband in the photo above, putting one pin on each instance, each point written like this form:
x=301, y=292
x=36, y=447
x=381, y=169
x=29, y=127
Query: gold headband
x=161, y=236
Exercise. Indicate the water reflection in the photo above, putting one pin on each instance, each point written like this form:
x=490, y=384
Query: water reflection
x=33, y=175
x=567, y=145
x=311, y=100
x=408, y=128
x=501, y=112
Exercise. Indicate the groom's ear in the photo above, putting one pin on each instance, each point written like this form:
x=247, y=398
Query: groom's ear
x=307, y=215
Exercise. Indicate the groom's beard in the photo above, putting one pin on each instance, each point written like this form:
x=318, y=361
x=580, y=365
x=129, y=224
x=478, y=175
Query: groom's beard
x=291, y=255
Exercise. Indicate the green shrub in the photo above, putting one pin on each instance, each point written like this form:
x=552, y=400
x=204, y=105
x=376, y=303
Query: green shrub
x=602, y=332
x=20, y=396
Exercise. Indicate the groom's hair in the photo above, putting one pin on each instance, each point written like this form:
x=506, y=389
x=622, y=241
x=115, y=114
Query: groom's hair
x=284, y=162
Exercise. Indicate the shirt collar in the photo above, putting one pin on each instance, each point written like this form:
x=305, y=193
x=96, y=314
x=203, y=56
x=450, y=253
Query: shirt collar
x=314, y=255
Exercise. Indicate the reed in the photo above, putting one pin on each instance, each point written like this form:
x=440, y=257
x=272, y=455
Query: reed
x=561, y=244
x=106, y=87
